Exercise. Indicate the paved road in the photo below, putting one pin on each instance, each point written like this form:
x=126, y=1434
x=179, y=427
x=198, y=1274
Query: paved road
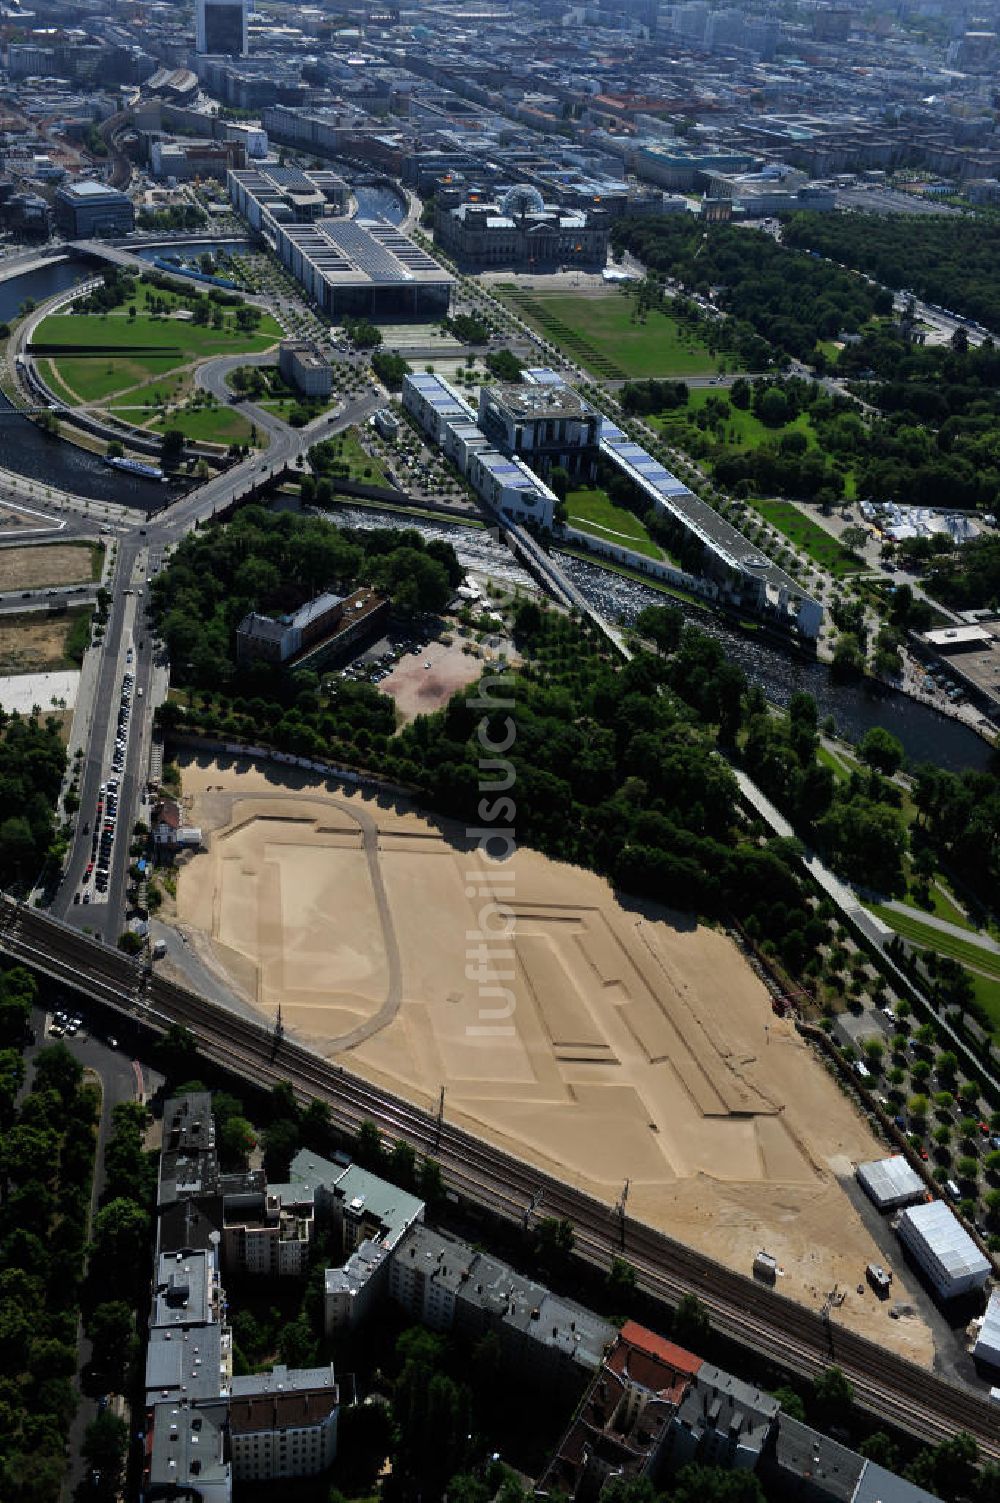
x=943, y=926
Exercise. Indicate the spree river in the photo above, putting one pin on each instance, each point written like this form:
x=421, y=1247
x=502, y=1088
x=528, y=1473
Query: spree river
x=925, y=735
x=26, y=450
x=855, y=707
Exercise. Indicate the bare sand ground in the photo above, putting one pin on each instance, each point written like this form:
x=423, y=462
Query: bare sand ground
x=418, y=690
x=638, y=1045
x=34, y=643
x=47, y=564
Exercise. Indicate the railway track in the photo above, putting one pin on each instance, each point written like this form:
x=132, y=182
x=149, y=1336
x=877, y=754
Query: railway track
x=799, y=1340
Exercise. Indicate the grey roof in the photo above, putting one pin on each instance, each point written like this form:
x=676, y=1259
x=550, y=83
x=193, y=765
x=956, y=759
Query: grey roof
x=366, y=1258
x=719, y=1402
x=313, y=608
x=483, y=1282
x=262, y=628
x=283, y=1379
x=365, y=1194
x=879, y=1486
x=183, y=1283
x=802, y=1452
x=891, y=1181
x=188, y=1450
x=184, y=1364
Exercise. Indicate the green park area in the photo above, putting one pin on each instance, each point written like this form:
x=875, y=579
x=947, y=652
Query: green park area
x=592, y=511
x=806, y=535
x=211, y=424
x=97, y=355
x=602, y=332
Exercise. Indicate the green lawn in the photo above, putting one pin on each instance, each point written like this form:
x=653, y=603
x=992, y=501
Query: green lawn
x=149, y=347
x=988, y=996
x=945, y=944
x=592, y=511
x=809, y=537
x=738, y=428
x=362, y=469
x=602, y=334
x=210, y=425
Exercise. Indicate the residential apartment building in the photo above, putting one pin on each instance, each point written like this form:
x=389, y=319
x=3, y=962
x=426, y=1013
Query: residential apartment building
x=449, y=1286
x=283, y=1424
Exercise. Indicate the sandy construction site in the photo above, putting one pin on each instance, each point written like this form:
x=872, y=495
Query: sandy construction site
x=632, y=1044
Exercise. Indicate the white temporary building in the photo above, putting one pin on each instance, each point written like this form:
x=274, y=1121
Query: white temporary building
x=942, y=1249
x=987, y=1347
x=891, y=1183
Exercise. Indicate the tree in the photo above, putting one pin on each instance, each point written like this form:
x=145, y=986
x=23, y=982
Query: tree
x=120, y=1244
x=431, y=1182
x=402, y=1165
x=881, y=750
x=832, y=1397
x=56, y=1069
x=111, y=1328
x=281, y=1143
x=791, y=1403
x=237, y=1141
x=692, y=1325
x=554, y=1240
x=368, y=1145
x=854, y=537
x=172, y=448
x=878, y=1447
x=621, y=1279
x=103, y=1447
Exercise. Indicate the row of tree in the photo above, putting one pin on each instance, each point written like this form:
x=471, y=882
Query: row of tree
x=47, y=1146
x=789, y=299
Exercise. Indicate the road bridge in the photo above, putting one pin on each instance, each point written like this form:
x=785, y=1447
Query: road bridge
x=796, y=1339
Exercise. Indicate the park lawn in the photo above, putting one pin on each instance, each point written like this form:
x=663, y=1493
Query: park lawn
x=210, y=425
x=601, y=333
x=95, y=379
x=182, y=342
x=594, y=512
x=742, y=430
x=809, y=537
x=58, y=388
x=362, y=469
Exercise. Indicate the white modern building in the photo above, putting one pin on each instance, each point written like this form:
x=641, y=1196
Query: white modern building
x=987, y=1348
x=942, y=1249
x=891, y=1183
x=349, y=267
x=220, y=27
x=505, y=484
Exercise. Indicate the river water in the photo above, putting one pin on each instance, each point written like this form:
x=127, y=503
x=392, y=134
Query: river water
x=855, y=707
x=26, y=450
x=925, y=735
x=380, y=203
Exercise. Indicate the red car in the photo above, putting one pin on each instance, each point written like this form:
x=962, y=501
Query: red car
x=984, y=1128
x=90, y=868
x=923, y=1153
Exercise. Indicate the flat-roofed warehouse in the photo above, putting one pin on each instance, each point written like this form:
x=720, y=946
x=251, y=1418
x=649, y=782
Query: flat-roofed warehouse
x=350, y=267
x=942, y=1249
x=891, y=1183
x=987, y=1348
